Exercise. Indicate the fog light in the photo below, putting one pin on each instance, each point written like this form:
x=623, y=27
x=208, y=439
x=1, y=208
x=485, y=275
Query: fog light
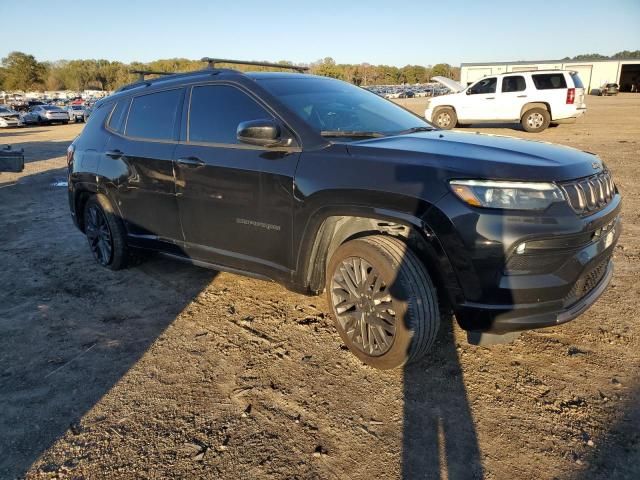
x=521, y=248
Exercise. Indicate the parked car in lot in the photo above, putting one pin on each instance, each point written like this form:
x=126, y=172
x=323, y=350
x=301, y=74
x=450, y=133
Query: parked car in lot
x=534, y=99
x=609, y=89
x=323, y=186
x=9, y=118
x=77, y=113
x=48, y=114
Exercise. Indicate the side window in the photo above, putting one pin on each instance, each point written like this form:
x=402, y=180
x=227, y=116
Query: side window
x=549, y=81
x=486, y=85
x=513, y=84
x=153, y=116
x=216, y=111
x=116, y=121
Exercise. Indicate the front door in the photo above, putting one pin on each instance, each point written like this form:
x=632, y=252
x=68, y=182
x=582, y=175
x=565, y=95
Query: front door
x=480, y=103
x=235, y=200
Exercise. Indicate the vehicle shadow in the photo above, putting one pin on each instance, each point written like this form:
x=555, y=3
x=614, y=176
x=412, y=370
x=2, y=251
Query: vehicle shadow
x=69, y=329
x=439, y=438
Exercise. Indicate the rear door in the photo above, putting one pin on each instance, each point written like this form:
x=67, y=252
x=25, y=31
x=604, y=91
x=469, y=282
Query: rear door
x=139, y=161
x=512, y=95
x=235, y=200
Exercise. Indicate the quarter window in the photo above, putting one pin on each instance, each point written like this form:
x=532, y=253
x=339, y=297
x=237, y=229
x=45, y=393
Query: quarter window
x=486, y=85
x=154, y=116
x=216, y=111
x=116, y=122
x=549, y=81
x=513, y=84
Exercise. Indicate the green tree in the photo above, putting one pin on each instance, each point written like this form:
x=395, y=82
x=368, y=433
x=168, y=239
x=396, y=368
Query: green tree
x=22, y=71
x=442, y=70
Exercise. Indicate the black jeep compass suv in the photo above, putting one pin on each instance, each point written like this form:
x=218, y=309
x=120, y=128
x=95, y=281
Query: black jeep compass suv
x=321, y=185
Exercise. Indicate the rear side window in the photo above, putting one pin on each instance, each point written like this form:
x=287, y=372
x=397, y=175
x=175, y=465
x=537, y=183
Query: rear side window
x=577, y=82
x=216, y=111
x=549, y=81
x=513, y=84
x=153, y=116
x=116, y=121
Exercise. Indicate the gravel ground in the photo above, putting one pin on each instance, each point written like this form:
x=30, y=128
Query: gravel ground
x=171, y=371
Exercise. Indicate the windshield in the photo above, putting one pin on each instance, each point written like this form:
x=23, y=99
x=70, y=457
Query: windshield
x=4, y=110
x=50, y=107
x=333, y=107
x=77, y=107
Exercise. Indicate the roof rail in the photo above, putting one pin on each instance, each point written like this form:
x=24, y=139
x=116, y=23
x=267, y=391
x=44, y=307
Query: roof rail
x=141, y=73
x=212, y=62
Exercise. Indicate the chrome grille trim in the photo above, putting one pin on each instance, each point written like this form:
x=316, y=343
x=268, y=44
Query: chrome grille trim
x=591, y=194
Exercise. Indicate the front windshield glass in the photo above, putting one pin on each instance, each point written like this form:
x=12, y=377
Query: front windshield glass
x=332, y=106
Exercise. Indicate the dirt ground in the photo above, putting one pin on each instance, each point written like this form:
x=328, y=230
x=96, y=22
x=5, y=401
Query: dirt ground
x=172, y=371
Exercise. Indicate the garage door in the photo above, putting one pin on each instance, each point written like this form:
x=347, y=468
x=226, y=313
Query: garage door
x=477, y=73
x=585, y=75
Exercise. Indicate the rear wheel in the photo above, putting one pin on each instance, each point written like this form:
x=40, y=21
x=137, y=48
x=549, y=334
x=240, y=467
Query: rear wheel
x=105, y=233
x=383, y=301
x=445, y=118
x=535, y=120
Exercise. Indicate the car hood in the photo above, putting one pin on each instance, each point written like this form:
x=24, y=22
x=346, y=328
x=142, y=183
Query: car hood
x=483, y=156
x=452, y=85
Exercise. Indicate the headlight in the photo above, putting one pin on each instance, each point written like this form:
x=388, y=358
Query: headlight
x=507, y=195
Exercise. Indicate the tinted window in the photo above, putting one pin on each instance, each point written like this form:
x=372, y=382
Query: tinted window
x=549, y=81
x=332, y=105
x=154, y=116
x=577, y=82
x=216, y=111
x=513, y=84
x=116, y=122
x=486, y=85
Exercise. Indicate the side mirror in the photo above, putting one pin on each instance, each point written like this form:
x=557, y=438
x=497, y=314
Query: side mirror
x=264, y=132
x=468, y=91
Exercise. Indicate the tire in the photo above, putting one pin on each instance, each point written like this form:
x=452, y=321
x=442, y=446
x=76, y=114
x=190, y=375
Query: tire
x=535, y=120
x=105, y=233
x=445, y=118
x=402, y=326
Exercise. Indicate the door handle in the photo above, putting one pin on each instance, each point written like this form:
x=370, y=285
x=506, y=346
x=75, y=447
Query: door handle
x=490, y=98
x=114, y=153
x=522, y=96
x=192, y=162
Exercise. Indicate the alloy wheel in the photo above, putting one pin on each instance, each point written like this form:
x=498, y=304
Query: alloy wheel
x=98, y=235
x=535, y=120
x=363, y=306
x=443, y=119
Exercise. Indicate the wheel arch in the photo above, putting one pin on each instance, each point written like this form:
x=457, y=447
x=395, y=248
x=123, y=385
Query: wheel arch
x=530, y=105
x=330, y=229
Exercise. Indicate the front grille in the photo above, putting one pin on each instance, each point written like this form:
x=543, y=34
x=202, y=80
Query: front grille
x=591, y=194
x=586, y=283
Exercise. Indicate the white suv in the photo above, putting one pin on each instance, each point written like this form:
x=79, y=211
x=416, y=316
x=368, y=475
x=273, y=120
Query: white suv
x=534, y=98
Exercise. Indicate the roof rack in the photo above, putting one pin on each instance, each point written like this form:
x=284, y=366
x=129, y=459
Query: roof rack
x=141, y=73
x=212, y=62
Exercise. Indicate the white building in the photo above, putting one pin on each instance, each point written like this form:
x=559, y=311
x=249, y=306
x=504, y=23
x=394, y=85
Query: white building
x=594, y=73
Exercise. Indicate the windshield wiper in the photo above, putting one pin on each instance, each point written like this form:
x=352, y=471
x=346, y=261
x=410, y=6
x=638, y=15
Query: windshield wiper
x=414, y=130
x=351, y=133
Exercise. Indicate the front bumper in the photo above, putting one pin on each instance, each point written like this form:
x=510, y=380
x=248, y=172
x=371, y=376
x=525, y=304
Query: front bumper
x=567, y=268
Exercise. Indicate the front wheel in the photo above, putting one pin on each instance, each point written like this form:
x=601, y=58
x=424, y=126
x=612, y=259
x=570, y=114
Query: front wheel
x=105, y=233
x=445, y=118
x=383, y=301
x=535, y=120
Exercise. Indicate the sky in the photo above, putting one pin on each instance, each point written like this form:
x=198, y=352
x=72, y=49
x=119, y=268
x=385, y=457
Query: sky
x=378, y=32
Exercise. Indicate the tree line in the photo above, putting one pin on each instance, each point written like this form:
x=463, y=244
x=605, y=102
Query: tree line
x=21, y=71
